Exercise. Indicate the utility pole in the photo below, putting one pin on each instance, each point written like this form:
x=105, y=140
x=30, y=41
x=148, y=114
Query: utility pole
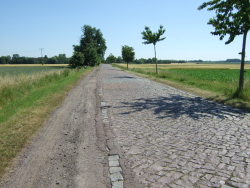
x=42, y=54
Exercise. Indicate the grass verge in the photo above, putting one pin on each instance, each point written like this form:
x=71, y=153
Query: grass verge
x=23, y=116
x=214, y=90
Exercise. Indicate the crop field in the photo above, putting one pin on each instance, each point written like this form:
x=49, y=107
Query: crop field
x=186, y=66
x=28, y=69
x=206, y=72
x=223, y=75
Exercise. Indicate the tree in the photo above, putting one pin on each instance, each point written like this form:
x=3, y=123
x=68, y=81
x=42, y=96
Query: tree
x=5, y=59
x=149, y=60
x=2, y=60
x=128, y=54
x=15, y=59
x=62, y=59
x=76, y=60
x=153, y=38
x=92, y=45
x=52, y=60
x=119, y=59
x=232, y=18
x=111, y=58
x=30, y=60
x=45, y=59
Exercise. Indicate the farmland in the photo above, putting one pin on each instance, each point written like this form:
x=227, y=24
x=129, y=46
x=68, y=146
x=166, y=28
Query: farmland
x=27, y=69
x=206, y=72
x=186, y=66
x=223, y=75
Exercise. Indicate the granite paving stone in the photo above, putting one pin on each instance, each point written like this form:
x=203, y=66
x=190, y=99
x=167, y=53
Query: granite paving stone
x=172, y=138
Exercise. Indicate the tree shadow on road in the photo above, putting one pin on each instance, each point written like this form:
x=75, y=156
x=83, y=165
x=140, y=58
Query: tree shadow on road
x=176, y=106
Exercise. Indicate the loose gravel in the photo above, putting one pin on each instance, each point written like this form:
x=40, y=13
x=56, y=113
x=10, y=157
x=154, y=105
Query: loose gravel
x=173, y=138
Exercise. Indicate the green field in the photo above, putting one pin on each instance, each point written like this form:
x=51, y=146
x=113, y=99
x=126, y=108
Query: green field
x=208, y=75
x=17, y=70
x=229, y=75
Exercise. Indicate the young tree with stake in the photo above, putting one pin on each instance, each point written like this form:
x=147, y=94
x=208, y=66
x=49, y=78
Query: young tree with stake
x=151, y=37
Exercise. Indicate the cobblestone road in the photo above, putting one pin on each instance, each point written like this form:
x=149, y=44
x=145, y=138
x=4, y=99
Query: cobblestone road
x=172, y=138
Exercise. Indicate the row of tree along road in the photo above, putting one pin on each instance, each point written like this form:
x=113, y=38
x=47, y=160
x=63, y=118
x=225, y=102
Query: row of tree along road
x=232, y=18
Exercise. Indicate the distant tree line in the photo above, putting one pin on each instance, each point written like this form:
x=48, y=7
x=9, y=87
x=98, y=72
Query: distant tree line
x=233, y=60
x=112, y=59
x=152, y=61
x=196, y=61
x=16, y=59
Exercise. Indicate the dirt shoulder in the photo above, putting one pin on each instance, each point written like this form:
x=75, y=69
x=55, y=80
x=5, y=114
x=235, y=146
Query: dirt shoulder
x=67, y=151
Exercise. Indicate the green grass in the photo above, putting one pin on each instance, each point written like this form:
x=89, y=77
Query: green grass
x=229, y=75
x=15, y=87
x=17, y=70
x=24, y=114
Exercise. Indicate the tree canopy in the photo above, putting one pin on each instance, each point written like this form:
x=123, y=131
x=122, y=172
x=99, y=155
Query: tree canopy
x=128, y=54
x=92, y=45
x=233, y=19
x=111, y=58
x=76, y=60
x=119, y=59
x=153, y=38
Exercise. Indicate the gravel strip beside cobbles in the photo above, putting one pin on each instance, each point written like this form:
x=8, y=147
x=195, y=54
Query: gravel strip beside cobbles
x=172, y=138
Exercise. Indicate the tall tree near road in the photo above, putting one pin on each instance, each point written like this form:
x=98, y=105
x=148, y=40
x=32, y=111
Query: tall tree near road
x=153, y=38
x=92, y=45
x=128, y=54
x=233, y=19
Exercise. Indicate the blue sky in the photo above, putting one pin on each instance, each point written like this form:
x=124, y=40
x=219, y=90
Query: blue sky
x=28, y=25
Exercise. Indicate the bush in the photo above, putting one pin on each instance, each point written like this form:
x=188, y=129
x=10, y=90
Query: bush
x=76, y=60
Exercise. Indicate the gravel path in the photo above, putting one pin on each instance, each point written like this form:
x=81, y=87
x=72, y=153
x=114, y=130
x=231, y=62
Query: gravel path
x=172, y=138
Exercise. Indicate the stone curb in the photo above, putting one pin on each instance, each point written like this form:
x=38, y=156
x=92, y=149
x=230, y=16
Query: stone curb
x=115, y=169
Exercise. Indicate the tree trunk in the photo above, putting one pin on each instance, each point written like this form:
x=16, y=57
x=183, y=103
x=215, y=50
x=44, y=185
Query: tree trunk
x=127, y=65
x=156, y=68
x=243, y=54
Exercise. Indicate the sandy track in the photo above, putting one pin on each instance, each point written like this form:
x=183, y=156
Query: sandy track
x=67, y=152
